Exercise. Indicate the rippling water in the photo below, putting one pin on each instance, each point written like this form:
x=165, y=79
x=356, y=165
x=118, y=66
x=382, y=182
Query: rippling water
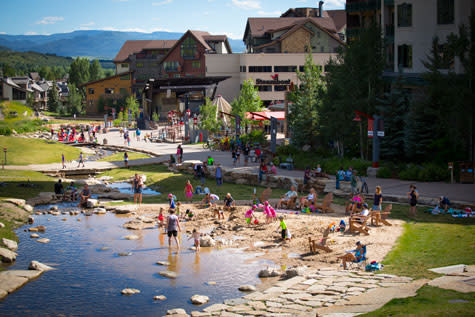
x=90, y=274
x=126, y=188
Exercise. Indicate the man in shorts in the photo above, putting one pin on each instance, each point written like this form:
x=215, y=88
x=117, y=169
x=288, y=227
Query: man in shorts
x=138, y=184
x=173, y=226
x=85, y=195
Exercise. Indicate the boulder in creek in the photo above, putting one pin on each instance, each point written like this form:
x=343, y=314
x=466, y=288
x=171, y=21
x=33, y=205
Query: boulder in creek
x=199, y=299
x=10, y=244
x=130, y=291
x=38, y=266
x=207, y=241
x=43, y=240
x=7, y=256
x=168, y=274
x=91, y=203
x=34, y=235
x=131, y=237
x=269, y=272
x=159, y=297
x=247, y=288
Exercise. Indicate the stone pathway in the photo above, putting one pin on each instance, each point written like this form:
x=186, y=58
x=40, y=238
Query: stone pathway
x=320, y=291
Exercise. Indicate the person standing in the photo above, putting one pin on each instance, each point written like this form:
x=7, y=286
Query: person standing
x=378, y=199
x=138, y=185
x=173, y=226
x=179, y=154
x=219, y=175
x=63, y=160
x=413, y=196
x=126, y=160
x=81, y=160
x=262, y=170
x=138, y=132
x=246, y=151
x=189, y=191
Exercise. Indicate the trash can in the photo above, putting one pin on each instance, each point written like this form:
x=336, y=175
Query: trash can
x=466, y=172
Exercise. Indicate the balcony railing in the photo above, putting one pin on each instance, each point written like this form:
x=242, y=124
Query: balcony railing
x=368, y=5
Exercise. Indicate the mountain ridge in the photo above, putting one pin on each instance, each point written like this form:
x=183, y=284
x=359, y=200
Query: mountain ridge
x=91, y=43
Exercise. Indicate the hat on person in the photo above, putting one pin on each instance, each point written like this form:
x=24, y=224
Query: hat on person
x=170, y=195
x=281, y=217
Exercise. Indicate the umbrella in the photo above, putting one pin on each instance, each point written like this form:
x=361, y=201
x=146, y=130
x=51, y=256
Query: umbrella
x=222, y=106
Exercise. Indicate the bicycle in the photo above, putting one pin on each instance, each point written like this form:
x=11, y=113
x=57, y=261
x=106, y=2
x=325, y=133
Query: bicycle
x=213, y=145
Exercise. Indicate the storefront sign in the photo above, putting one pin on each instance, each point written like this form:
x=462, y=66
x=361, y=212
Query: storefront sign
x=272, y=82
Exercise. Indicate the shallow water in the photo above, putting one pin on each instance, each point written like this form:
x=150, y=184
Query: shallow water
x=88, y=279
x=126, y=188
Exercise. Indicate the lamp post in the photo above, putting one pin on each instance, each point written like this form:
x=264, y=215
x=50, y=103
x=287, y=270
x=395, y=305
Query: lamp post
x=358, y=119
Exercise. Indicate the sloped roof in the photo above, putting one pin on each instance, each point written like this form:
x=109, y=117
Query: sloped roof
x=338, y=17
x=200, y=36
x=134, y=46
x=37, y=87
x=10, y=82
x=292, y=30
x=260, y=26
x=35, y=76
x=104, y=79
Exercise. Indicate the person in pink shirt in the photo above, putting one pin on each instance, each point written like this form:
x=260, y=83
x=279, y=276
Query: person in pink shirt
x=188, y=191
x=250, y=214
x=269, y=212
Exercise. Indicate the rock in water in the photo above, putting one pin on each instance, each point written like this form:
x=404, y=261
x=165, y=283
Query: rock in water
x=159, y=297
x=207, y=241
x=199, y=299
x=41, y=228
x=164, y=263
x=34, y=235
x=100, y=211
x=124, y=253
x=269, y=272
x=247, y=288
x=91, y=203
x=12, y=245
x=130, y=291
x=28, y=208
x=177, y=311
x=31, y=220
x=7, y=256
x=168, y=274
x=38, y=266
x=131, y=237
x=295, y=271
x=43, y=240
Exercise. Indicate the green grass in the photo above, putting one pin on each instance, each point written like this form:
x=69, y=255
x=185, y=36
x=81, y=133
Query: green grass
x=430, y=301
x=161, y=179
x=7, y=231
x=12, y=178
x=23, y=151
x=120, y=156
x=14, y=106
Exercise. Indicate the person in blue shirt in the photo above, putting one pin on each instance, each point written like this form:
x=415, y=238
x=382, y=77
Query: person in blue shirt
x=348, y=174
x=219, y=175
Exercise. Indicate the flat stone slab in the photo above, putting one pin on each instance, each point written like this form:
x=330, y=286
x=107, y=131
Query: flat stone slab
x=29, y=274
x=461, y=284
x=291, y=281
x=215, y=308
x=9, y=283
x=459, y=268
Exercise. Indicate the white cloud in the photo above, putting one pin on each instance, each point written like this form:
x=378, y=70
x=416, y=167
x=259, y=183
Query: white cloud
x=31, y=33
x=88, y=24
x=232, y=35
x=269, y=13
x=335, y=3
x=3, y=33
x=160, y=3
x=247, y=4
x=50, y=20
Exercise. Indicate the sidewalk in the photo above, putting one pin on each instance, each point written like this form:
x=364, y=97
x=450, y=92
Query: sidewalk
x=460, y=192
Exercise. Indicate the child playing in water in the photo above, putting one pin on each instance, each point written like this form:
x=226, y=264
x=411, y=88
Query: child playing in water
x=196, y=237
x=177, y=209
x=161, y=219
x=250, y=214
x=269, y=212
x=189, y=214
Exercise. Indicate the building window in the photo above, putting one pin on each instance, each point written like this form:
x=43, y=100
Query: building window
x=404, y=56
x=188, y=48
x=264, y=88
x=125, y=77
x=196, y=64
x=445, y=12
x=109, y=91
x=280, y=87
x=260, y=69
x=139, y=65
x=123, y=91
x=242, y=69
x=285, y=69
x=90, y=91
x=404, y=15
x=124, y=65
x=170, y=66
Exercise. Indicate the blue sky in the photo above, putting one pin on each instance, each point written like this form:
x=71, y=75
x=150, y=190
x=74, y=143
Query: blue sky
x=215, y=16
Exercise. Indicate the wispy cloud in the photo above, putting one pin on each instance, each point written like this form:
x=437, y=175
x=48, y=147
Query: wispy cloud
x=269, y=13
x=88, y=24
x=247, y=4
x=3, y=33
x=31, y=33
x=160, y=3
x=335, y=3
x=50, y=20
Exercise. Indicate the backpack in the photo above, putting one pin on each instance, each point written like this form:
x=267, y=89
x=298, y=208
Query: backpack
x=342, y=225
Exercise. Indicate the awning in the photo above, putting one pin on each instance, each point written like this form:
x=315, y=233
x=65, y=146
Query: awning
x=265, y=115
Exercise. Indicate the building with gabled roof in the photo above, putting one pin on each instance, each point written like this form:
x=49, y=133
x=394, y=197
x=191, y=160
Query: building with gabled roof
x=296, y=31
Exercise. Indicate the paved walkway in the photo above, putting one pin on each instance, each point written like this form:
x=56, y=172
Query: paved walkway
x=459, y=192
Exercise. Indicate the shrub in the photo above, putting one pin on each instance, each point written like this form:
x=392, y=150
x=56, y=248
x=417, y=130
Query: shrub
x=432, y=172
x=155, y=117
x=384, y=172
x=5, y=131
x=255, y=136
x=410, y=173
x=117, y=122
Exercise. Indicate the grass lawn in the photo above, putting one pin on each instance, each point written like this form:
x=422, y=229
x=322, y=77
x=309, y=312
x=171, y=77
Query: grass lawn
x=12, y=178
x=161, y=179
x=7, y=231
x=23, y=151
x=430, y=301
x=120, y=156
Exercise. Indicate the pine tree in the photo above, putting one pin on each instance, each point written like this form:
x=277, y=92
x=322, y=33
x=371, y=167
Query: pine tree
x=95, y=70
x=53, y=99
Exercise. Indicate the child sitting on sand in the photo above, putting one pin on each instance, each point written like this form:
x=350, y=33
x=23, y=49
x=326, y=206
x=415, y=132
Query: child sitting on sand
x=250, y=214
x=218, y=212
x=189, y=214
x=196, y=238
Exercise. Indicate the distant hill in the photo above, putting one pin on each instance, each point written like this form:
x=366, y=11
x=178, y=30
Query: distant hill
x=28, y=61
x=94, y=43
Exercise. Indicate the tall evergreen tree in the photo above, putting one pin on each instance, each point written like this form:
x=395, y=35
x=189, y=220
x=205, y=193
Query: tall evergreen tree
x=95, y=70
x=74, y=100
x=304, y=112
x=53, y=99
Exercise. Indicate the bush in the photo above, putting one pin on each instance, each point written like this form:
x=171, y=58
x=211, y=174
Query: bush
x=428, y=172
x=384, y=172
x=5, y=131
x=117, y=122
x=411, y=173
x=255, y=136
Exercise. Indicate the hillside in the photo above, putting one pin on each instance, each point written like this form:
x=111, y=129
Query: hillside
x=95, y=44
x=30, y=60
